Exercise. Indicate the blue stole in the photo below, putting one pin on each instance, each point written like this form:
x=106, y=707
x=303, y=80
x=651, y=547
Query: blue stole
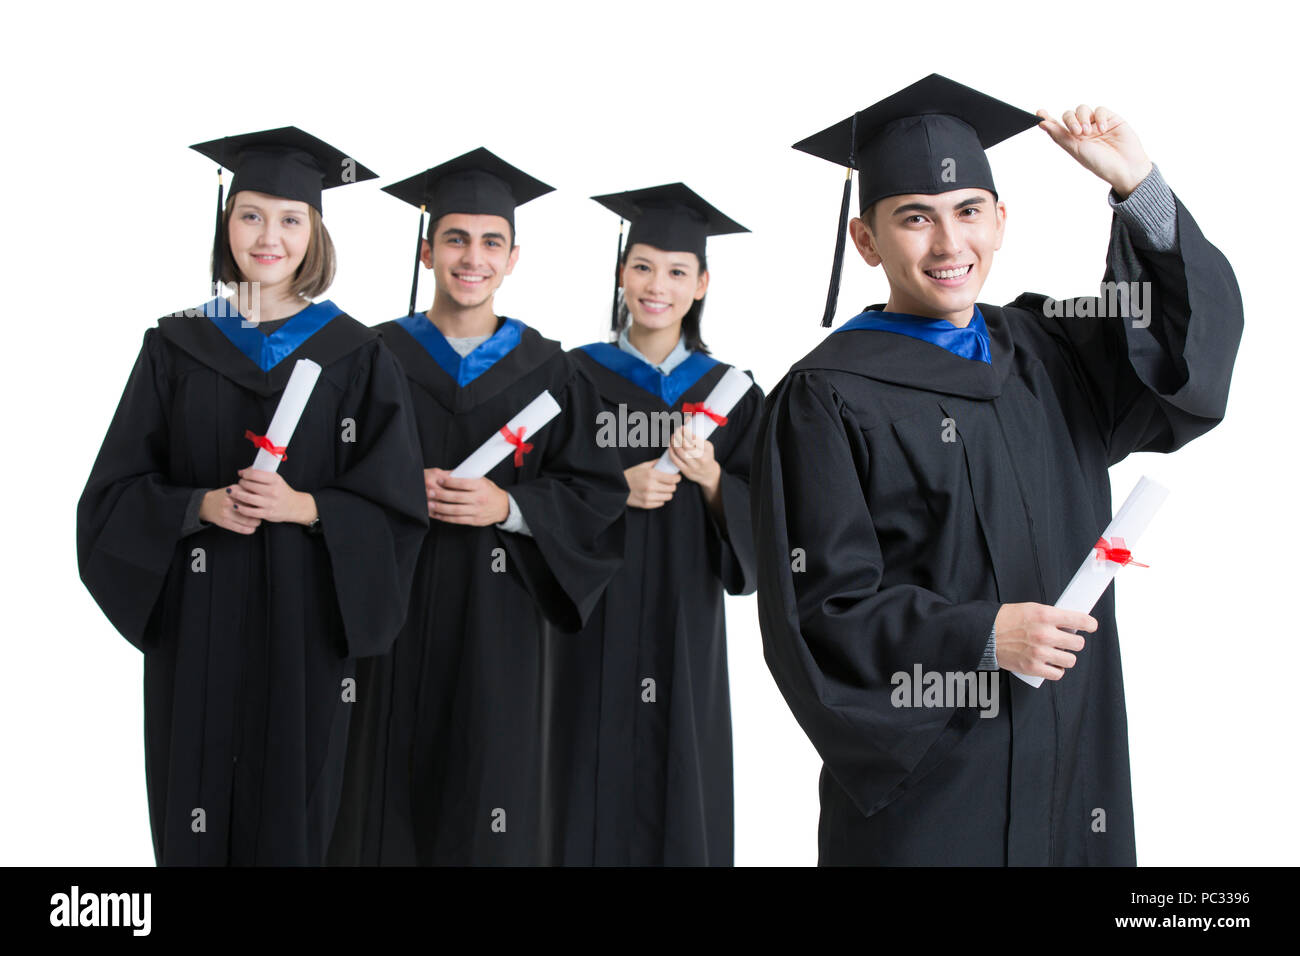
x=972, y=342
x=463, y=370
x=668, y=387
x=267, y=351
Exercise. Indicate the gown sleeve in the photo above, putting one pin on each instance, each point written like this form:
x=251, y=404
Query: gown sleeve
x=731, y=544
x=1157, y=380
x=833, y=632
x=373, y=513
x=574, y=511
x=130, y=518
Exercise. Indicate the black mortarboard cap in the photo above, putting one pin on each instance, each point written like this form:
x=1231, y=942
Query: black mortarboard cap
x=285, y=162
x=671, y=217
x=477, y=183
x=928, y=138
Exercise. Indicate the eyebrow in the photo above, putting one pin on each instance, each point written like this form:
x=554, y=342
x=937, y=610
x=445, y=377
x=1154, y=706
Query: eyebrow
x=452, y=231
x=675, y=265
x=913, y=207
x=256, y=208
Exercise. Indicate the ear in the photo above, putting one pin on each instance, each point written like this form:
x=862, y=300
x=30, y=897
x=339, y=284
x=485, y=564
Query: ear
x=426, y=253
x=1002, y=225
x=702, y=285
x=863, y=241
x=514, y=257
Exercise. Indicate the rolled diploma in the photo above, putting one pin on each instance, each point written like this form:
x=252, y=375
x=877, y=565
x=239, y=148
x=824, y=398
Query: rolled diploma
x=287, y=413
x=731, y=388
x=533, y=416
x=1090, y=581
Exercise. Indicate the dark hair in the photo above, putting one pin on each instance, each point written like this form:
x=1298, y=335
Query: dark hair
x=690, y=321
x=314, y=273
x=869, y=215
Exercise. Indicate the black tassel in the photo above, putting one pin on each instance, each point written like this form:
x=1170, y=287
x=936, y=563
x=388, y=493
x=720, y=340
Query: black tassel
x=833, y=296
x=613, y=313
x=217, y=256
x=415, y=275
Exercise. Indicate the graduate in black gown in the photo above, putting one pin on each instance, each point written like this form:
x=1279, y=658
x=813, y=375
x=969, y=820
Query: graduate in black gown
x=640, y=698
x=930, y=478
x=251, y=592
x=447, y=765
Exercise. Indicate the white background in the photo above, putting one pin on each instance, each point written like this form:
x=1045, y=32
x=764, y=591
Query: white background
x=107, y=222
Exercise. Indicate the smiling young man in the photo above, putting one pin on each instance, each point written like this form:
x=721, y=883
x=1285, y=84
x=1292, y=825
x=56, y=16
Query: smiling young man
x=929, y=478
x=447, y=758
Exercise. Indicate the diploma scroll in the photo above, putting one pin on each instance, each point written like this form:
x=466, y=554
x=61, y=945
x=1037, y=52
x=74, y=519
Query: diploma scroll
x=1097, y=571
x=285, y=420
x=533, y=416
x=731, y=388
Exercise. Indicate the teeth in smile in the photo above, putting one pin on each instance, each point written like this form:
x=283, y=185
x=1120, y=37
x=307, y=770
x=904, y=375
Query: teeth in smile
x=470, y=278
x=948, y=273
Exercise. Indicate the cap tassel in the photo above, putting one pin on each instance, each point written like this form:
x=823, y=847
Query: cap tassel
x=833, y=296
x=217, y=256
x=613, y=313
x=415, y=275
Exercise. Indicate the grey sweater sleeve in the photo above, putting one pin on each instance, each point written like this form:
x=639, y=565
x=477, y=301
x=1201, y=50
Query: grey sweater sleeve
x=989, y=662
x=1149, y=213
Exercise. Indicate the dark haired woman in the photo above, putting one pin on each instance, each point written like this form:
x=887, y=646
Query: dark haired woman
x=641, y=717
x=252, y=591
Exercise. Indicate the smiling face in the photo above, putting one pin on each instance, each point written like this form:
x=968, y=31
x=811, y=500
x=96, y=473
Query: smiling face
x=269, y=237
x=660, y=287
x=936, y=250
x=470, y=256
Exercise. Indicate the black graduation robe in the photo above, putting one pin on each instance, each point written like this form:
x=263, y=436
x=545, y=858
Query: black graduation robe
x=910, y=543
x=643, y=772
x=446, y=765
x=247, y=639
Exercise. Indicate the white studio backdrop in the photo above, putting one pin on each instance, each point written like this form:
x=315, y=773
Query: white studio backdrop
x=107, y=223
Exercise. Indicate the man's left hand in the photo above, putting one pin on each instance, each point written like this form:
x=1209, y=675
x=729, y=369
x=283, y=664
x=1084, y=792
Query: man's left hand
x=1102, y=143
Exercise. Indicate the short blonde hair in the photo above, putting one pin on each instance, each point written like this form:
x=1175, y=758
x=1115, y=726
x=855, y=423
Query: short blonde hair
x=315, y=272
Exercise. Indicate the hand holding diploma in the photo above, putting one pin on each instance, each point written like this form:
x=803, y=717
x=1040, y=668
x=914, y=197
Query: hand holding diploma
x=261, y=494
x=473, y=501
x=466, y=495
x=218, y=508
x=1034, y=640
x=712, y=412
x=266, y=496
x=648, y=487
x=1108, y=555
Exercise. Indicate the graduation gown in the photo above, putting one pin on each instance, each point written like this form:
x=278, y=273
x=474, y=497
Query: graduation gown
x=247, y=639
x=884, y=545
x=446, y=764
x=645, y=773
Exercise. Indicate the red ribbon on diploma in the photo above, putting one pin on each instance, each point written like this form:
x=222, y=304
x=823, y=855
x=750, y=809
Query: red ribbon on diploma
x=521, y=446
x=699, y=408
x=1115, y=551
x=264, y=443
